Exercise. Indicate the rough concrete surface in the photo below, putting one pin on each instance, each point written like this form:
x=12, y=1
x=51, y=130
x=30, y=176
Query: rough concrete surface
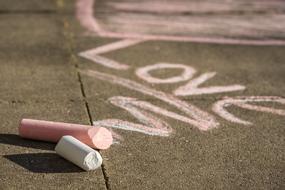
x=38, y=81
x=43, y=77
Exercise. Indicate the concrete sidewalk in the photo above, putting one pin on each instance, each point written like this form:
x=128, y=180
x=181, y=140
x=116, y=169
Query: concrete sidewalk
x=51, y=68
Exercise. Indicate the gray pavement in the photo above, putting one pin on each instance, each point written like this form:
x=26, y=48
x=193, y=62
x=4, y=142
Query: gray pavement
x=38, y=81
x=43, y=77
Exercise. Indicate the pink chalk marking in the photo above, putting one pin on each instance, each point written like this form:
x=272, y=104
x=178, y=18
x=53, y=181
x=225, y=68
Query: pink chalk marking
x=152, y=125
x=129, y=126
x=117, y=138
x=202, y=120
x=104, y=61
x=131, y=105
x=97, y=137
x=217, y=40
x=94, y=56
x=194, y=25
x=154, y=6
x=219, y=106
x=192, y=87
x=84, y=12
x=143, y=73
x=113, y=46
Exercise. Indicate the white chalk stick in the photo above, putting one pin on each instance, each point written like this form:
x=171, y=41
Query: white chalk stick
x=78, y=153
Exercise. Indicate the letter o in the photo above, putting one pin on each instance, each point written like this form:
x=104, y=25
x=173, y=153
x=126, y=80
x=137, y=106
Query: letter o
x=187, y=74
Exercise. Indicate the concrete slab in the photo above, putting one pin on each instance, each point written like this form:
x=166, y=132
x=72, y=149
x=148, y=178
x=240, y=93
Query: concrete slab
x=256, y=20
x=258, y=69
x=232, y=156
x=39, y=63
x=18, y=6
x=40, y=82
x=229, y=157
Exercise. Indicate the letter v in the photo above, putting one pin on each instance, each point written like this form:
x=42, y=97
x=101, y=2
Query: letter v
x=192, y=87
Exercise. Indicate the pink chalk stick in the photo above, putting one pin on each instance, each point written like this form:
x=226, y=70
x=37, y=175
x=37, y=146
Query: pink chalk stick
x=96, y=137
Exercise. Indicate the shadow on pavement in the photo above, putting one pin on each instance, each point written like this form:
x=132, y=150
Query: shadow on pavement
x=43, y=163
x=18, y=141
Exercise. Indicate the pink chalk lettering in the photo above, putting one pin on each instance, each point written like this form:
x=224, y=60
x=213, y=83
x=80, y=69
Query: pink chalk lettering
x=219, y=106
x=94, y=56
x=143, y=73
x=207, y=40
x=152, y=125
x=104, y=61
x=192, y=87
x=85, y=11
x=142, y=110
x=126, y=125
x=202, y=120
x=113, y=46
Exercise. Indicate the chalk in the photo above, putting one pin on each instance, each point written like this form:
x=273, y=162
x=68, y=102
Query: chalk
x=78, y=153
x=96, y=137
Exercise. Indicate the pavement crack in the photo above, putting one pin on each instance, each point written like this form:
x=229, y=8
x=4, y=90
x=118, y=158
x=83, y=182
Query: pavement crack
x=84, y=97
x=70, y=45
x=104, y=171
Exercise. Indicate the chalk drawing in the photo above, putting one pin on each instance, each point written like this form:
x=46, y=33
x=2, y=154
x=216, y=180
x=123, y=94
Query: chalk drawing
x=192, y=87
x=123, y=25
x=94, y=56
x=84, y=13
x=149, y=128
x=142, y=110
x=219, y=106
x=143, y=73
x=202, y=120
x=153, y=125
x=198, y=118
x=105, y=61
x=113, y=46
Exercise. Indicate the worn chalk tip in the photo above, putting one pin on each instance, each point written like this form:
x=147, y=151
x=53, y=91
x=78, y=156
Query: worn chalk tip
x=101, y=137
x=92, y=161
x=20, y=127
x=22, y=130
